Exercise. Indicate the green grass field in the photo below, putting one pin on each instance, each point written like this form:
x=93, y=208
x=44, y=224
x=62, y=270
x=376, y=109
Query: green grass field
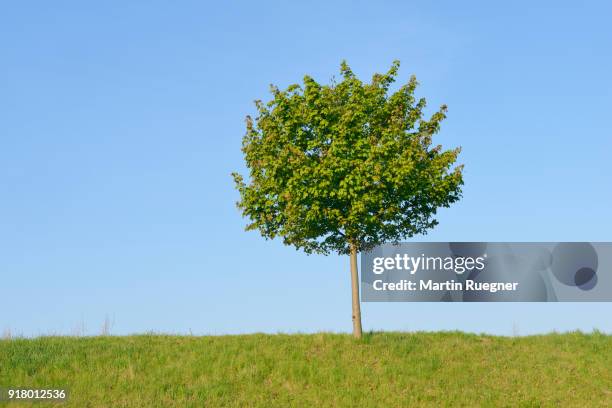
x=383, y=369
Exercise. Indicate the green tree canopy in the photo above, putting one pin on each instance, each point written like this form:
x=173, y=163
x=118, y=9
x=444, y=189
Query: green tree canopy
x=345, y=166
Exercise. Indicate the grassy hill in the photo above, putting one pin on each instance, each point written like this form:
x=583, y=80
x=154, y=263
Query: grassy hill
x=384, y=369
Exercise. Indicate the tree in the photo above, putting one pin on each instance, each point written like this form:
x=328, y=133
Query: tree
x=345, y=167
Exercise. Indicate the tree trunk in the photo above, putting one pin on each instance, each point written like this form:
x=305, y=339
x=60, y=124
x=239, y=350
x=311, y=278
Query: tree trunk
x=355, y=285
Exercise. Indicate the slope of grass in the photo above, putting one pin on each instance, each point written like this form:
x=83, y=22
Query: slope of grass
x=384, y=369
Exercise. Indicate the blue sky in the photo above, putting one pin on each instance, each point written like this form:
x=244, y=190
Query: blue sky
x=121, y=123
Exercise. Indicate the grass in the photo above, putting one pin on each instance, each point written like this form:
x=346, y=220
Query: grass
x=384, y=369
